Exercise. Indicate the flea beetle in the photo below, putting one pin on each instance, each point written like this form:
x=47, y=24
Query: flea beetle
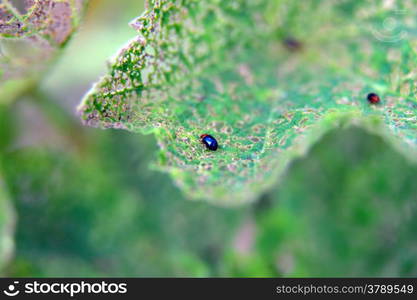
x=209, y=141
x=373, y=98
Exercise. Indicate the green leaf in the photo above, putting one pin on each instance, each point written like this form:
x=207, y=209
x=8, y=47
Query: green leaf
x=266, y=78
x=7, y=224
x=31, y=34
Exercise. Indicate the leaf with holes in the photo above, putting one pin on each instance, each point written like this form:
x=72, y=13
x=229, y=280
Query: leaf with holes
x=266, y=78
x=31, y=34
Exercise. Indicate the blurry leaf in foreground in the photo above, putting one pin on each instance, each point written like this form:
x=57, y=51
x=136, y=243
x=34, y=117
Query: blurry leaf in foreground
x=329, y=219
x=220, y=68
x=31, y=34
x=7, y=224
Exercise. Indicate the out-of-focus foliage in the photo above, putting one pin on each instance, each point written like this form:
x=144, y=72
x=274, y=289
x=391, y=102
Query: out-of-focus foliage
x=326, y=219
x=7, y=223
x=31, y=34
x=220, y=67
x=7, y=214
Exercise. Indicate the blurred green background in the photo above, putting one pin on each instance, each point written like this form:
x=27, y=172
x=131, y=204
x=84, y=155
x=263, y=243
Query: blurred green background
x=87, y=203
